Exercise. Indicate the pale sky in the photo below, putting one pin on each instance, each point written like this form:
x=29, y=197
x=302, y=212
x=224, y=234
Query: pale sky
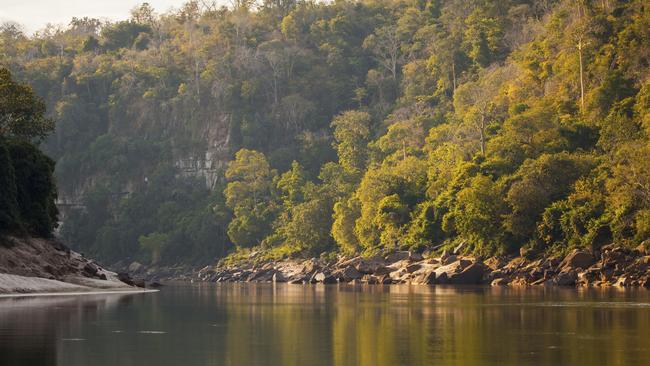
x=35, y=14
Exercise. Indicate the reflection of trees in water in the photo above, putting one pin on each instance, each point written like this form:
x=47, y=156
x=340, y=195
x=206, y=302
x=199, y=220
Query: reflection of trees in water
x=265, y=324
x=423, y=325
x=32, y=328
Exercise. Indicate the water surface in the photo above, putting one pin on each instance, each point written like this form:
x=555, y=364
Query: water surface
x=263, y=324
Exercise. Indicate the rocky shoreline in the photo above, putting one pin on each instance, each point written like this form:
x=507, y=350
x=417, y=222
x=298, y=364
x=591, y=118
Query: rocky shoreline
x=36, y=265
x=610, y=266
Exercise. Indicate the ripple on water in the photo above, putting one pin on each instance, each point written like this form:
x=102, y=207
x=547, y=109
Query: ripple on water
x=151, y=332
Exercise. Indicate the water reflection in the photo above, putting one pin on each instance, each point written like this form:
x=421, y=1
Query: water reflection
x=242, y=324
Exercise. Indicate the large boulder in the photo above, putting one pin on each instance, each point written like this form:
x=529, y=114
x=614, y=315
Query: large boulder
x=425, y=276
x=350, y=273
x=278, y=277
x=445, y=272
x=403, y=255
x=126, y=278
x=370, y=265
x=567, y=277
x=322, y=277
x=502, y=281
x=136, y=267
x=471, y=275
x=578, y=259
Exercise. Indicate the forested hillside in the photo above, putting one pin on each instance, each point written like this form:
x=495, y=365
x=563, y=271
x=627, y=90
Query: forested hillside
x=353, y=126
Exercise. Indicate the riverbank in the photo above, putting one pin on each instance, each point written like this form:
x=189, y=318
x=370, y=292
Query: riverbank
x=610, y=266
x=36, y=265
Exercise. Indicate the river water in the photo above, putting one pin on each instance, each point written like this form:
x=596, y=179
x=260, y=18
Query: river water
x=265, y=324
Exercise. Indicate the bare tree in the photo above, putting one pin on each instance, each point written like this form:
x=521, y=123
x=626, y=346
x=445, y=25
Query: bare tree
x=385, y=44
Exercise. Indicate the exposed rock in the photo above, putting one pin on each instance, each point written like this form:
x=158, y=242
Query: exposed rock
x=424, y=277
x=350, y=273
x=136, y=267
x=278, y=278
x=322, y=277
x=370, y=265
x=413, y=267
x=500, y=282
x=623, y=281
x=397, y=256
x=126, y=278
x=578, y=259
x=494, y=263
x=472, y=275
x=566, y=278
x=445, y=260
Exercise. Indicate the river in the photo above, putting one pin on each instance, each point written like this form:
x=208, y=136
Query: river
x=266, y=324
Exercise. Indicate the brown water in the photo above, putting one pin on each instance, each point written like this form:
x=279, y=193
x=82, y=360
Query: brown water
x=242, y=324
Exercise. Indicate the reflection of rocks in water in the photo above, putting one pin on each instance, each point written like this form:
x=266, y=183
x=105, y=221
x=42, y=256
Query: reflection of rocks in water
x=33, y=328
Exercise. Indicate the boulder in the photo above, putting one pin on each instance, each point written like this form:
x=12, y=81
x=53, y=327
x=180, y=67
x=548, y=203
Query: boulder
x=578, y=259
x=397, y=256
x=500, y=282
x=382, y=270
x=278, y=278
x=472, y=275
x=445, y=260
x=318, y=277
x=623, y=281
x=424, y=277
x=413, y=267
x=350, y=273
x=494, y=263
x=566, y=278
x=415, y=257
x=385, y=280
x=90, y=270
x=370, y=265
x=401, y=255
x=321, y=277
x=126, y=278
x=136, y=267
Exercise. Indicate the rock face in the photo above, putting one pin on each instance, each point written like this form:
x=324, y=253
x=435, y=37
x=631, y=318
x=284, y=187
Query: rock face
x=578, y=259
x=34, y=259
x=617, y=266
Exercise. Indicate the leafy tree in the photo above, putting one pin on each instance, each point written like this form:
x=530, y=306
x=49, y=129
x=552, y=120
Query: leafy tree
x=154, y=243
x=352, y=134
x=250, y=195
x=22, y=113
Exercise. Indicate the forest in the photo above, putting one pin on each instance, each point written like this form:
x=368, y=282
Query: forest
x=304, y=128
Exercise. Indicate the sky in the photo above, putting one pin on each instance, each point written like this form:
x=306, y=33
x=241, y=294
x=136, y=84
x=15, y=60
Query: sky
x=35, y=14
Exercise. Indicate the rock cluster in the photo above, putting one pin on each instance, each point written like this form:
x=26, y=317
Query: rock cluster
x=45, y=258
x=611, y=266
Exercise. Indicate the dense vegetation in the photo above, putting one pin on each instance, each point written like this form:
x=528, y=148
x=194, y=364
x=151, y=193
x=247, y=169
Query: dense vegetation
x=27, y=189
x=354, y=126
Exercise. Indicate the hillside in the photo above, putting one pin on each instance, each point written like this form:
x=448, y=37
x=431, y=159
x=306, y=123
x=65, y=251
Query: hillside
x=304, y=128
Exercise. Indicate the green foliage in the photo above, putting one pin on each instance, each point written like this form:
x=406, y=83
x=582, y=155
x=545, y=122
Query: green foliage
x=250, y=194
x=343, y=126
x=352, y=134
x=9, y=212
x=154, y=243
x=537, y=184
x=27, y=188
x=22, y=114
x=478, y=216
